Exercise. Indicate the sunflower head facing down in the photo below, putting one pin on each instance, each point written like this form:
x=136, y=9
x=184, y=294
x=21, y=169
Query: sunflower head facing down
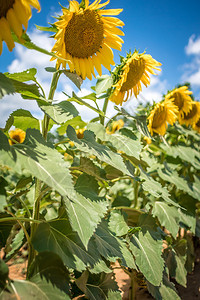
x=129, y=75
x=192, y=116
x=85, y=37
x=196, y=126
x=17, y=136
x=14, y=14
x=163, y=113
x=181, y=98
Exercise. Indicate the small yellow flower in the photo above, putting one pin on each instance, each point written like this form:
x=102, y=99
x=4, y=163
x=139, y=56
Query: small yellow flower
x=80, y=135
x=192, y=116
x=18, y=135
x=181, y=98
x=13, y=15
x=163, y=113
x=147, y=140
x=116, y=125
x=85, y=37
x=196, y=126
x=133, y=71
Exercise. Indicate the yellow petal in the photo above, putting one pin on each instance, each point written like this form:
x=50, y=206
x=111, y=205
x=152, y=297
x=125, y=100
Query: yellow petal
x=97, y=64
x=5, y=33
x=110, y=12
x=14, y=22
x=35, y=4
x=82, y=67
x=23, y=12
x=1, y=45
x=74, y=6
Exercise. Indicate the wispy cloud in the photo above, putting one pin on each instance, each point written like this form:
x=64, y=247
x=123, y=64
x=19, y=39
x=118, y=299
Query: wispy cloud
x=192, y=69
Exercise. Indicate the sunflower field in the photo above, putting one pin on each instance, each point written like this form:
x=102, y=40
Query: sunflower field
x=87, y=198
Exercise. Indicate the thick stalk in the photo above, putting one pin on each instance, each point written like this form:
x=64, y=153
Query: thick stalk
x=102, y=118
x=132, y=295
x=38, y=183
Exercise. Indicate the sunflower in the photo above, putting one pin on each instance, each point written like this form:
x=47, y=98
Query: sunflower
x=13, y=15
x=192, y=116
x=116, y=125
x=79, y=134
x=85, y=37
x=163, y=113
x=181, y=98
x=196, y=126
x=130, y=73
x=17, y=135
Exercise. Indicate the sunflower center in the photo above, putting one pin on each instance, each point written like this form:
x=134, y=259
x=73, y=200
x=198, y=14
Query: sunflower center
x=192, y=113
x=84, y=34
x=16, y=138
x=178, y=100
x=159, y=118
x=136, y=70
x=5, y=5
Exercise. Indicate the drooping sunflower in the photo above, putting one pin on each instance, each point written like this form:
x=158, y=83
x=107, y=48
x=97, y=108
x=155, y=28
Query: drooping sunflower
x=17, y=135
x=85, y=37
x=129, y=75
x=181, y=98
x=163, y=113
x=196, y=126
x=192, y=116
x=116, y=125
x=14, y=14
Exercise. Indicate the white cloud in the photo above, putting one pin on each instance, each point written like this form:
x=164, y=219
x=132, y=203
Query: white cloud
x=192, y=69
x=193, y=46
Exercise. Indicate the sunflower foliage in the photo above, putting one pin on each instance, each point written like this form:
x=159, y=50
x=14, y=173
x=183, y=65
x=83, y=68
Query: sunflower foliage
x=87, y=198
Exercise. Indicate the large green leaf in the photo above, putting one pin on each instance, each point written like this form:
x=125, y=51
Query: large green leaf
x=23, y=119
x=117, y=223
x=58, y=237
x=23, y=76
x=167, y=216
x=77, y=121
x=111, y=247
x=86, y=209
x=28, y=290
x=5, y=229
x=155, y=188
x=165, y=291
x=179, y=182
x=4, y=271
x=3, y=195
x=42, y=271
x=89, y=145
x=125, y=141
x=59, y=113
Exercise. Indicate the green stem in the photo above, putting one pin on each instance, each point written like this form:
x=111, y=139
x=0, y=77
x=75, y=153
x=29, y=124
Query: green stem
x=105, y=105
x=8, y=219
x=133, y=287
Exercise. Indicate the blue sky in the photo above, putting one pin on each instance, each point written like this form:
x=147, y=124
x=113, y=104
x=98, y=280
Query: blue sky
x=168, y=30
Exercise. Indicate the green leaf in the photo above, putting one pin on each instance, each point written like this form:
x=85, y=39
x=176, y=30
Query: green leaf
x=42, y=272
x=86, y=209
x=75, y=78
x=16, y=244
x=148, y=252
x=167, y=216
x=155, y=188
x=111, y=247
x=27, y=75
x=89, y=145
x=5, y=229
x=117, y=223
x=128, y=142
x=176, y=266
x=49, y=29
x=3, y=195
x=6, y=86
x=4, y=271
x=23, y=119
x=103, y=84
x=179, y=182
x=59, y=113
x=28, y=290
x=58, y=237
x=165, y=291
